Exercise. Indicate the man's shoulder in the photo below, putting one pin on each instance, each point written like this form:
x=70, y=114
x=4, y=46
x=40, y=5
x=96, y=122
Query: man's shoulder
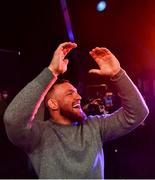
x=91, y=118
x=95, y=120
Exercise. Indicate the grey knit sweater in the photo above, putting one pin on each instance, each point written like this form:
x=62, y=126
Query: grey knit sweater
x=66, y=151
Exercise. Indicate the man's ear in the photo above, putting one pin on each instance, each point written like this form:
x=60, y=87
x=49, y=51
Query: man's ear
x=52, y=104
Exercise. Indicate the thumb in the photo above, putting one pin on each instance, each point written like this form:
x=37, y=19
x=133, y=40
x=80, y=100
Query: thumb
x=66, y=61
x=95, y=71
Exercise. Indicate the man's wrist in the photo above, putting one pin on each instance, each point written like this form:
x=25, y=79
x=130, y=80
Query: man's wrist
x=53, y=72
x=118, y=74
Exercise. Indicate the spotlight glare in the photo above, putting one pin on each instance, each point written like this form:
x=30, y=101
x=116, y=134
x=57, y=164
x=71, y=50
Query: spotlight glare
x=101, y=6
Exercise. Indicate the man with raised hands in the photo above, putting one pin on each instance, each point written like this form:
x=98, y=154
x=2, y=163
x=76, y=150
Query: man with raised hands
x=69, y=144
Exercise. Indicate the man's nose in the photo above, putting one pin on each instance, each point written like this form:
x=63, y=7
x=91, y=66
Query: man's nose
x=78, y=96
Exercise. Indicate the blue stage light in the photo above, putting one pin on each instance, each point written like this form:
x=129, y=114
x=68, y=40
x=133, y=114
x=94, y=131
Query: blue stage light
x=101, y=6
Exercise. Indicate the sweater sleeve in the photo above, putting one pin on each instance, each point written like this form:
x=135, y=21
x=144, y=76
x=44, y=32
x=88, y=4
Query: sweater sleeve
x=25, y=113
x=133, y=111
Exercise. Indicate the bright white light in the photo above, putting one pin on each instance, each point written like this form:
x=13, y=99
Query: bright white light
x=116, y=150
x=101, y=6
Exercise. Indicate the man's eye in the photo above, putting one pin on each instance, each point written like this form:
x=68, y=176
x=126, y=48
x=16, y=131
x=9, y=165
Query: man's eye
x=69, y=93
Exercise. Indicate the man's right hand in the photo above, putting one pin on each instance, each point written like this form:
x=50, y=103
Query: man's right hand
x=58, y=63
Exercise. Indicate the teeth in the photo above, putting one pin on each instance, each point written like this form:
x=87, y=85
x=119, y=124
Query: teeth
x=76, y=106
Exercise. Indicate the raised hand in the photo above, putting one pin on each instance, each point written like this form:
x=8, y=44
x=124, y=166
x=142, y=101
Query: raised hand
x=58, y=63
x=107, y=62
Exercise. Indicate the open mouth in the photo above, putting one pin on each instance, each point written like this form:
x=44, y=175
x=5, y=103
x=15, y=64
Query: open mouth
x=77, y=105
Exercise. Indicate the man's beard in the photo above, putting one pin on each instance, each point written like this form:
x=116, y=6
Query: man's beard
x=74, y=117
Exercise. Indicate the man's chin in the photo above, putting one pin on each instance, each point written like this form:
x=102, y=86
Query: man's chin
x=81, y=117
x=75, y=116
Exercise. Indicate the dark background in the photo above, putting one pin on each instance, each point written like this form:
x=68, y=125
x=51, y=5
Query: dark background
x=30, y=30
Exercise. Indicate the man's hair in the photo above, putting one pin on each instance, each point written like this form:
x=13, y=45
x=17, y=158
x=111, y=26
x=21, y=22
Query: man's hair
x=57, y=82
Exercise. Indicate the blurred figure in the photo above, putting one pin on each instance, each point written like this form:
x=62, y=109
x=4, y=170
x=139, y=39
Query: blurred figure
x=94, y=107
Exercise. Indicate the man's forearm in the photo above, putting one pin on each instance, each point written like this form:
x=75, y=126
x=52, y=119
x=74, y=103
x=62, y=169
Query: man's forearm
x=132, y=100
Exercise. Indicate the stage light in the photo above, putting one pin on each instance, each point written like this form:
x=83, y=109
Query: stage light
x=101, y=6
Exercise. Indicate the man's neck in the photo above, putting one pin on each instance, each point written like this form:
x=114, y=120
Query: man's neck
x=61, y=120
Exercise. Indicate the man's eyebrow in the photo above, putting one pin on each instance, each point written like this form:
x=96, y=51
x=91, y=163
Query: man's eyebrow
x=71, y=90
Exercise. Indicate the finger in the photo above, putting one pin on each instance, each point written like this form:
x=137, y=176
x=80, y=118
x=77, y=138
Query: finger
x=60, y=47
x=94, y=71
x=105, y=50
x=68, y=47
x=93, y=55
x=68, y=43
x=65, y=44
x=102, y=50
x=96, y=51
